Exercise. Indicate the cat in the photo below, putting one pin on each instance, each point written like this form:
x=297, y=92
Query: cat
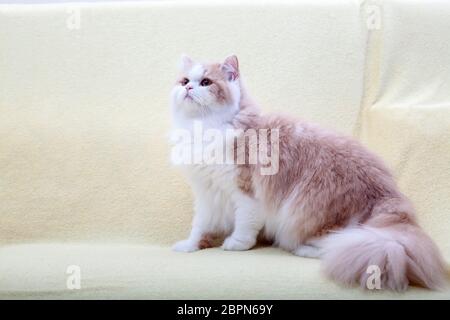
x=330, y=197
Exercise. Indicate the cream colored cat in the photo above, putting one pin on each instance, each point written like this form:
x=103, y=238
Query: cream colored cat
x=329, y=197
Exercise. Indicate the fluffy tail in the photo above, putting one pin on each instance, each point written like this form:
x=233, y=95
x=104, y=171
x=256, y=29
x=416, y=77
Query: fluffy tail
x=397, y=249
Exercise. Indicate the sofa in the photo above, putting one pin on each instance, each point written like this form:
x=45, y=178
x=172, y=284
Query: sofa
x=86, y=185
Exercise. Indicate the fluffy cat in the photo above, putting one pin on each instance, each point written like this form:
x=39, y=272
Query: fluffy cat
x=330, y=198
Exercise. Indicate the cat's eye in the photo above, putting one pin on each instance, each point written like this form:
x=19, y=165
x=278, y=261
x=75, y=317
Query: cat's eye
x=185, y=81
x=205, y=82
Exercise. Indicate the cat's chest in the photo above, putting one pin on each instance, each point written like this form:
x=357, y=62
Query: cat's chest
x=216, y=178
x=208, y=156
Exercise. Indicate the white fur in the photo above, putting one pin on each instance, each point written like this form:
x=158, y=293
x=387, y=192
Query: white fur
x=308, y=251
x=196, y=73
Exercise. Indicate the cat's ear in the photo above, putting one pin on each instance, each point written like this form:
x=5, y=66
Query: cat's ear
x=231, y=68
x=185, y=62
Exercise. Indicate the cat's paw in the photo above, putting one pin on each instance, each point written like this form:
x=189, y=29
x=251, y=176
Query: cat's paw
x=185, y=246
x=234, y=244
x=308, y=252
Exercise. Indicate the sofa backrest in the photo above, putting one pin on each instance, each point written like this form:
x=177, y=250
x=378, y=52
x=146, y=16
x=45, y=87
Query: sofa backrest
x=84, y=110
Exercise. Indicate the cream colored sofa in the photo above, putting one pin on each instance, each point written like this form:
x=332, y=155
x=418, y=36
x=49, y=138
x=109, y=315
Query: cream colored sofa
x=84, y=173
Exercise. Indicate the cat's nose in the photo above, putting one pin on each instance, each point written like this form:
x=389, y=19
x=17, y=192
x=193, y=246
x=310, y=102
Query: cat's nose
x=189, y=87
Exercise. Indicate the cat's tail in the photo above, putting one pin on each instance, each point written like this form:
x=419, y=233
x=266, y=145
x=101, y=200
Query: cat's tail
x=390, y=245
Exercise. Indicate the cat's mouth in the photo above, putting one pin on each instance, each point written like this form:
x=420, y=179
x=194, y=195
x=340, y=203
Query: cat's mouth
x=188, y=97
x=191, y=98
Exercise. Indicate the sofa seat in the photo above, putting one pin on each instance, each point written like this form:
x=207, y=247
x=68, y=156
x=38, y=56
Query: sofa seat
x=39, y=271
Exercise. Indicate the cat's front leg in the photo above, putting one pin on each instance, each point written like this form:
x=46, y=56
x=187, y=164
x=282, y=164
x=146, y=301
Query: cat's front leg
x=247, y=225
x=193, y=242
x=200, y=232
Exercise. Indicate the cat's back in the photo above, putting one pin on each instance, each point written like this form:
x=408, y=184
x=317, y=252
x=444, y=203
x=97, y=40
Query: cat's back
x=309, y=141
x=321, y=159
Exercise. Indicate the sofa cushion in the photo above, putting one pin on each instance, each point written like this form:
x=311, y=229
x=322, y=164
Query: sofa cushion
x=145, y=272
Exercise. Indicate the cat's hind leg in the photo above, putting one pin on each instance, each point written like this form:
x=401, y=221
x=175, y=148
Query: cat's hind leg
x=312, y=248
x=308, y=251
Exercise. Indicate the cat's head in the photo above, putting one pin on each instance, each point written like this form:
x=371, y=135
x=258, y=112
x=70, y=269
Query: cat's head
x=203, y=89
